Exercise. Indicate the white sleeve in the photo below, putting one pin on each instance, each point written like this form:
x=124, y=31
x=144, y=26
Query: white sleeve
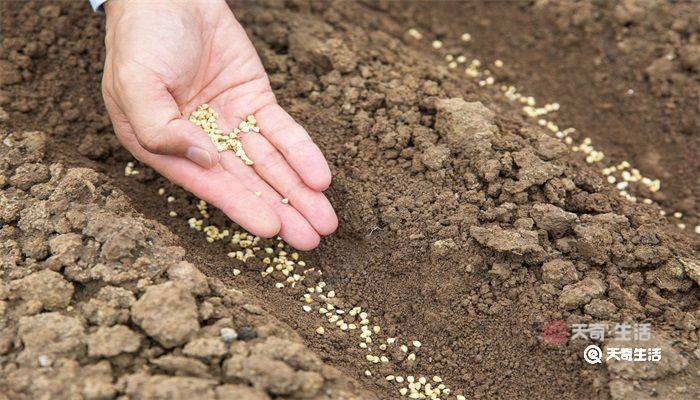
x=97, y=5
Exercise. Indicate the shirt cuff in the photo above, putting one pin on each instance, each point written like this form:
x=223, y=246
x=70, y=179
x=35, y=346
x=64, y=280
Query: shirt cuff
x=97, y=5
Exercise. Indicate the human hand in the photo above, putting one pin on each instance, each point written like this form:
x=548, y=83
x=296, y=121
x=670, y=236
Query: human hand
x=164, y=59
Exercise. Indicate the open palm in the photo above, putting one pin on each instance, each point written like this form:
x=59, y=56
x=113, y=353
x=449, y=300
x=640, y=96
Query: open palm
x=163, y=61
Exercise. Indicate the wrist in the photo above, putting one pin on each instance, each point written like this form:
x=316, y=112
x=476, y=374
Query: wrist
x=112, y=7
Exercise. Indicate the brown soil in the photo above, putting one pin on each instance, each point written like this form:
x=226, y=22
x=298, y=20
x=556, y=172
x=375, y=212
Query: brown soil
x=586, y=56
x=462, y=223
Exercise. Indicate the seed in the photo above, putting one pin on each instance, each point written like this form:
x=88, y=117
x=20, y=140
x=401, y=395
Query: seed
x=161, y=191
x=466, y=37
x=415, y=34
x=228, y=334
x=285, y=201
x=411, y=357
x=172, y=214
x=498, y=63
x=416, y=343
x=437, y=44
x=236, y=272
x=368, y=373
x=320, y=330
x=403, y=391
x=171, y=199
x=206, y=118
x=306, y=308
x=258, y=194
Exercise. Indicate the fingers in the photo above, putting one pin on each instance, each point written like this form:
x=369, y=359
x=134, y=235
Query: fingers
x=156, y=120
x=216, y=186
x=295, y=144
x=295, y=229
x=226, y=193
x=273, y=168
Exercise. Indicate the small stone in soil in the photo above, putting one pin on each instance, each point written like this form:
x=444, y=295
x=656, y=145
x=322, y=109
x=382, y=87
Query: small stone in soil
x=247, y=333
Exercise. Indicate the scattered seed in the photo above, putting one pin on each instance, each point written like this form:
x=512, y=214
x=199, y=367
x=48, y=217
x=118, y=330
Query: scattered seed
x=228, y=334
x=44, y=361
x=414, y=33
x=285, y=201
x=320, y=330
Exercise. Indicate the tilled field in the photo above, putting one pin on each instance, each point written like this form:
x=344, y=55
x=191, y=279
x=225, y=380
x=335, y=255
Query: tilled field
x=496, y=167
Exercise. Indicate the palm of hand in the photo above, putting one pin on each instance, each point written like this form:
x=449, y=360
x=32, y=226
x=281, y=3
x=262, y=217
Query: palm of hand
x=161, y=66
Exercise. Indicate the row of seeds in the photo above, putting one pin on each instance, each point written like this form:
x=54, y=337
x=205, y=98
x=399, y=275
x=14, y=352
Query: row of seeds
x=622, y=175
x=285, y=268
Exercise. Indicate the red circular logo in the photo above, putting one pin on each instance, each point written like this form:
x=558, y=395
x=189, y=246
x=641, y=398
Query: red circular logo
x=555, y=332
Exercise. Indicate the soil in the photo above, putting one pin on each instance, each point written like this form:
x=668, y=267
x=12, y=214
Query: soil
x=463, y=223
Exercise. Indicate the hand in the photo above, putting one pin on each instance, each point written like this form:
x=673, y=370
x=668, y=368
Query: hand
x=164, y=59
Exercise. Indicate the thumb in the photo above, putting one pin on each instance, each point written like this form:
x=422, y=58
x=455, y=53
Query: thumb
x=156, y=120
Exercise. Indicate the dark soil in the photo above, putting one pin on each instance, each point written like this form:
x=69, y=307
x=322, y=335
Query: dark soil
x=462, y=223
x=586, y=56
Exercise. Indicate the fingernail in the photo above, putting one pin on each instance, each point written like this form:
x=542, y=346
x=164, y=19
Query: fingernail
x=200, y=156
